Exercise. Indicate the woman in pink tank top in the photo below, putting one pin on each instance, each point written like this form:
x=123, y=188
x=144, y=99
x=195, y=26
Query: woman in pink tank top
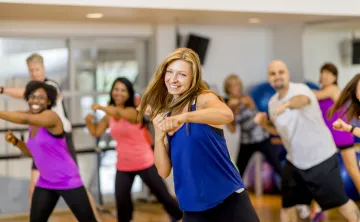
x=327, y=97
x=134, y=153
x=59, y=174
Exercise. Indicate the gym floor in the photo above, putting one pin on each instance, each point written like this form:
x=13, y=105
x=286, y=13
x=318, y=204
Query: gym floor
x=267, y=207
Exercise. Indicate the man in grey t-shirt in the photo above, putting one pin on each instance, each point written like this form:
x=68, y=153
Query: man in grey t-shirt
x=312, y=170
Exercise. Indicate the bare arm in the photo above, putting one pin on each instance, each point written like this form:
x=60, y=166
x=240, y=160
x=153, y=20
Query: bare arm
x=11, y=138
x=162, y=157
x=97, y=129
x=22, y=146
x=270, y=128
x=262, y=120
x=14, y=92
x=209, y=105
x=128, y=113
x=328, y=92
x=45, y=119
x=161, y=150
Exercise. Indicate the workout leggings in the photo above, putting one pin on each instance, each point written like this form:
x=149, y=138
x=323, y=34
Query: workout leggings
x=235, y=208
x=45, y=200
x=266, y=148
x=151, y=178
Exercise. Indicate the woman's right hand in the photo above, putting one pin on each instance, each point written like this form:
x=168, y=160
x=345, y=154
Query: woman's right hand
x=11, y=138
x=89, y=118
x=340, y=125
x=159, y=134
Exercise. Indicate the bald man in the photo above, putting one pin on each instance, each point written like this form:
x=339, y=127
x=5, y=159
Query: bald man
x=312, y=170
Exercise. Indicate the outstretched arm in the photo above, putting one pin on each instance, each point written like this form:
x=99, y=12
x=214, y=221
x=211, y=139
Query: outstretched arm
x=14, y=92
x=45, y=119
x=296, y=102
x=262, y=120
x=97, y=129
x=128, y=113
x=328, y=92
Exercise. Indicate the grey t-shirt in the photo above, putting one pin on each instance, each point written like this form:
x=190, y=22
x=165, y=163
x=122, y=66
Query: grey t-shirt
x=305, y=136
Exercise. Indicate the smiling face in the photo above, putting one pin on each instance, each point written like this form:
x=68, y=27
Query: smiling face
x=120, y=93
x=278, y=75
x=178, y=77
x=38, y=101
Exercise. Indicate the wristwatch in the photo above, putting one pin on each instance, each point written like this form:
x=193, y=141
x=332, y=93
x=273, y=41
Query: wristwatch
x=1, y=90
x=352, y=128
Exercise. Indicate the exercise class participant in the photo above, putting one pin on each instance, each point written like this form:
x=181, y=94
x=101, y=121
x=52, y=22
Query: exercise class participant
x=312, y=170
x=59, y=174
x=344, y=141
x=35, y=64
x=189, y=138
x=253, y=137
x=349, y=98
x=134, y=153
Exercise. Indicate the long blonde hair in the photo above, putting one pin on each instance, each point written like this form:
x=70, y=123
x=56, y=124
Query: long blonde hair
x=156, y=94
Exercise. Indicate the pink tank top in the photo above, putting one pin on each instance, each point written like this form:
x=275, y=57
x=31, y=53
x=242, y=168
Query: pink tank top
x=133, y=149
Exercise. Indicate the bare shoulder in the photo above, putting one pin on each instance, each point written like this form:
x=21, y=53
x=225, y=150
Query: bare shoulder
x=49, y=113
x=205, y=98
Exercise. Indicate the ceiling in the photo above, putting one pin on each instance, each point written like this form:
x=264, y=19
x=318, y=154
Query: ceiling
x=29, y=12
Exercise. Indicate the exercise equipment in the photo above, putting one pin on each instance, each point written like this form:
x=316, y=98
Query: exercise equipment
x=349, y=186
x=267, y=177
x=262, y=92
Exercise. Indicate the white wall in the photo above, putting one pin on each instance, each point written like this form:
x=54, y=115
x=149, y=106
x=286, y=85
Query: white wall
x=333, y=7
x=245, y=51
x=323, y=45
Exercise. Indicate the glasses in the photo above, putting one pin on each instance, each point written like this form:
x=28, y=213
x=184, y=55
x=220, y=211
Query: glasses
x=38, y=97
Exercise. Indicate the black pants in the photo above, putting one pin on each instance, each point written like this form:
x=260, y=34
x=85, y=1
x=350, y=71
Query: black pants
x=71, y=147
x=266, y=148
x=151, y=178
x=321, y=182
x=235, y=208
x=45, y=200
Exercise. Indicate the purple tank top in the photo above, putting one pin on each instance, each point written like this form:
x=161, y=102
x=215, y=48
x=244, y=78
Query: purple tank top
x=340, y=138
x=57, y=168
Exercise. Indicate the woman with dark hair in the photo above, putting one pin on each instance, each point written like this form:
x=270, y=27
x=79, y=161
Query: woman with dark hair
x=59, y=174
x=134, y=153
x=327, y=96
x=349, y=98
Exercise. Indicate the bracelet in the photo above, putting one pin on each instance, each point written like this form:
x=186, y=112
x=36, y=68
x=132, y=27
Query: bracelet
x=352, y=128
x=1, y=90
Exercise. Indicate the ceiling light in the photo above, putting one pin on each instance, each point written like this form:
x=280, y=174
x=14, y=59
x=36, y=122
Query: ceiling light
x=94, y=15
x=254, y=20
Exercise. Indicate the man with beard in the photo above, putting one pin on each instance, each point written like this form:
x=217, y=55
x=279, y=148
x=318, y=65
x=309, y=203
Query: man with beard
x=312, y=170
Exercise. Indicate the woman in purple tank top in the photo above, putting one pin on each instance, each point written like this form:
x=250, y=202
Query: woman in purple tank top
x=59, y=174
x=327, y=96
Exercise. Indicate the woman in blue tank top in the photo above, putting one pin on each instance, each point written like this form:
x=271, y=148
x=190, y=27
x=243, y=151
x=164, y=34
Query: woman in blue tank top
x=188, y=119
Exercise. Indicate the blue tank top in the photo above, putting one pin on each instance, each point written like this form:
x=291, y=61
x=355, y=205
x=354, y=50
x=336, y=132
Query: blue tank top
x=204, y=174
